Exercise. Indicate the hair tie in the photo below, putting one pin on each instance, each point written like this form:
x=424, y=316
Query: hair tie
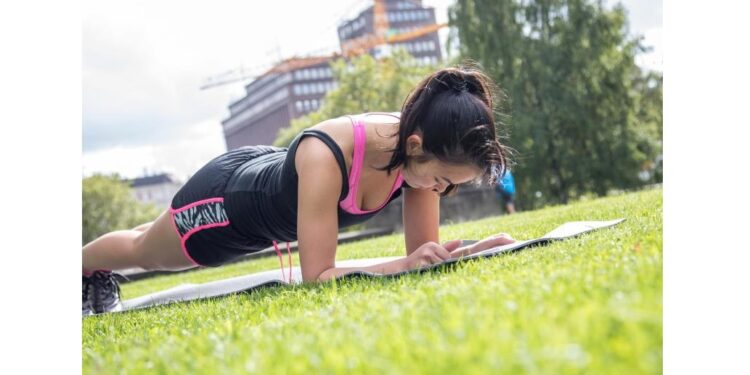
x=460, y=86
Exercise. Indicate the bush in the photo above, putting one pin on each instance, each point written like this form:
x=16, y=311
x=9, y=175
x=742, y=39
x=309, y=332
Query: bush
x=108, y=205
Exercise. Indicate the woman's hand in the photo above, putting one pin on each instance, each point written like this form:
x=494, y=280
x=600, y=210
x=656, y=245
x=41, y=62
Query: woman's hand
x=430, y=253
x=487, y=243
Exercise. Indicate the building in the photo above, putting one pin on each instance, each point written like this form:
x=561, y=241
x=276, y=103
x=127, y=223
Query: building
x=156, y=189
x=403, y=16
x=296, y=86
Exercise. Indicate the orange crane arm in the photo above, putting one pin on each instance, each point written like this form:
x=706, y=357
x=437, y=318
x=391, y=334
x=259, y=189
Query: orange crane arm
x=416, y=33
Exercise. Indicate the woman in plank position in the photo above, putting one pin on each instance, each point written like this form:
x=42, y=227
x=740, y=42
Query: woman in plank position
x=335, y=174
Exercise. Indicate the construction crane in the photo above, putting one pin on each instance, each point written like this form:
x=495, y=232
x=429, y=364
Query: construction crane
x=349, y=49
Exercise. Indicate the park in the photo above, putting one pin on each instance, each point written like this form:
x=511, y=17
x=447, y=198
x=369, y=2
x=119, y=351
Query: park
x=557, y=95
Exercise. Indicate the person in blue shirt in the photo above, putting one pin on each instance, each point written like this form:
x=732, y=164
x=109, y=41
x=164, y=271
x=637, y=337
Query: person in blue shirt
x=506, y=191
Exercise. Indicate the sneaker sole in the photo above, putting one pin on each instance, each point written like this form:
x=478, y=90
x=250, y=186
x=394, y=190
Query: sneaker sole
x=115, y=308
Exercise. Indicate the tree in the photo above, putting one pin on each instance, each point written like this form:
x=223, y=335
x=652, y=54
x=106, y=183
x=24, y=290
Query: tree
x=364, y=85
x=108, y=205
x=581, y=118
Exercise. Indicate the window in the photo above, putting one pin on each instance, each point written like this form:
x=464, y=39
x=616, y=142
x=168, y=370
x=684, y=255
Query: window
x=298, y=105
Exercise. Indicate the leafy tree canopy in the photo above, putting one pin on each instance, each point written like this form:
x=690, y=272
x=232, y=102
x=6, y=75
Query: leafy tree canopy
x=583, y=117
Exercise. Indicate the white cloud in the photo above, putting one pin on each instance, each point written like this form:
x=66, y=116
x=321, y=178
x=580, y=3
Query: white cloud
x=143, y=61
x=182, y=156
x=653, y=59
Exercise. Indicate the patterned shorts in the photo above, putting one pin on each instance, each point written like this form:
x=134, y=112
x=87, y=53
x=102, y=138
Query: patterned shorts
x=204, y=214
x=206, y=233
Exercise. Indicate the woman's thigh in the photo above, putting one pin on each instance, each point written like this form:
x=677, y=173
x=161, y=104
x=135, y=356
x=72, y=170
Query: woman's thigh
x=160, y=247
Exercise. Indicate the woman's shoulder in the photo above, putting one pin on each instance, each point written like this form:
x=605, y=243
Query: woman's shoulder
x=345, y=122
x=341, y=129
x=381, y=117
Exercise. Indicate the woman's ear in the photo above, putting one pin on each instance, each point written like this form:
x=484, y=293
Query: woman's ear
x=414, y=145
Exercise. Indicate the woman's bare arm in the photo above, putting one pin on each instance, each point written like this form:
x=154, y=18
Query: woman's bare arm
x=421, y=215
x=318, y=194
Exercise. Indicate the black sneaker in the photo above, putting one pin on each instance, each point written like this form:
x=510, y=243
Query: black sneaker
x=106, y=292
x=88, y=297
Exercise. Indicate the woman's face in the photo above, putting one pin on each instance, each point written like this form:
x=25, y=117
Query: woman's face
x=436, y=176
x=433, y=174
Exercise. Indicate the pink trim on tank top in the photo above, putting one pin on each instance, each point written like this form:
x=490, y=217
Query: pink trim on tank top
x=349, y=204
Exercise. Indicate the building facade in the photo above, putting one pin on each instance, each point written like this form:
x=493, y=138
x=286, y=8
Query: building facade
x=297, y=86
x=156, y=189
x=272, y=101
x=403, y=16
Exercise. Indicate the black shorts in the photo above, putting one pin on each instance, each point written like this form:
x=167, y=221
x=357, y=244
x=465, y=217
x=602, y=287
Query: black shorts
x=199, y=216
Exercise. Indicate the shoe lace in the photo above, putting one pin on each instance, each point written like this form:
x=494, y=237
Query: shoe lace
x=106, y=285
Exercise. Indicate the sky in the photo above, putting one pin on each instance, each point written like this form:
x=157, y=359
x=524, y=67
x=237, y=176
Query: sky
x=143, y=63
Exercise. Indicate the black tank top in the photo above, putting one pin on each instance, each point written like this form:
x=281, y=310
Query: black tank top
x=261, y=196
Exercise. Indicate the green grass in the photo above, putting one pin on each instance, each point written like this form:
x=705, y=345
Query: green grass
x=590, y=305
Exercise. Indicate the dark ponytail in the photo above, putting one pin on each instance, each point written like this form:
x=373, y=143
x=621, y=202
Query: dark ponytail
x=453, y=109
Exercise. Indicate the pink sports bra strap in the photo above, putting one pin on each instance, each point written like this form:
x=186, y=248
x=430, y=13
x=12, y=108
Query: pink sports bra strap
x=349, y=203
x=360, y=146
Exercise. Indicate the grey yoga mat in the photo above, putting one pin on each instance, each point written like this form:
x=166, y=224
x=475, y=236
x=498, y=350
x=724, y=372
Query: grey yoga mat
x=219, y=288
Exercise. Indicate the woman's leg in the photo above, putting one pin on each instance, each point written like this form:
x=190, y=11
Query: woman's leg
x=151, y=246
x=143, y=227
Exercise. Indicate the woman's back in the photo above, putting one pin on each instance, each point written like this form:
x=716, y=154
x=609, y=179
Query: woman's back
x=261, y=195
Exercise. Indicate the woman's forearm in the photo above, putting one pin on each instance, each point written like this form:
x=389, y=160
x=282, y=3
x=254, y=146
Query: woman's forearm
x=393, y=266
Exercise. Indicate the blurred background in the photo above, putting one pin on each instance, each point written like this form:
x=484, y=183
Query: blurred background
x=167, y=86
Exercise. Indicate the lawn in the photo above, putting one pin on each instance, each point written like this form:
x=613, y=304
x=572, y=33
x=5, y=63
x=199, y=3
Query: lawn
x=590, y=305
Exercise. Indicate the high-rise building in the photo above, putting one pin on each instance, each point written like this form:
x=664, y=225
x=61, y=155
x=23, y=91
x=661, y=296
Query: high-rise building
x=291, y=89
x=296, y=86
x=403, y=16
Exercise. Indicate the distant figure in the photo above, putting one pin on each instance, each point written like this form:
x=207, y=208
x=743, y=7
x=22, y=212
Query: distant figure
x=506, y=190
